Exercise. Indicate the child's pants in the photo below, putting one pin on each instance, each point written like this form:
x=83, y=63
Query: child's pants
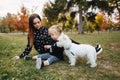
x=49, y=57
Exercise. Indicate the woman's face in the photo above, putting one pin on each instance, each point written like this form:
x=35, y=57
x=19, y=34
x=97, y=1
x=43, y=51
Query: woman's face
x=36, y=23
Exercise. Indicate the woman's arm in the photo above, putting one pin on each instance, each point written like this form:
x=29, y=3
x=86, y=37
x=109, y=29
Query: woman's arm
x=26, y=50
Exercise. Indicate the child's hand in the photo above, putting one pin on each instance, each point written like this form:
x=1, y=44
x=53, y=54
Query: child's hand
x=47, y=46
x=16, y=58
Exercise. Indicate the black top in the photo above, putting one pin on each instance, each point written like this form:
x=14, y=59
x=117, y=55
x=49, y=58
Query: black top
x=56, y=51
x=41, y=38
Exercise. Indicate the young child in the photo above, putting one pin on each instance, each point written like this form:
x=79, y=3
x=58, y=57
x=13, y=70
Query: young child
x=55, y=53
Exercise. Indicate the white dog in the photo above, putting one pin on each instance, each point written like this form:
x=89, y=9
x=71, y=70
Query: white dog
x=73, y=50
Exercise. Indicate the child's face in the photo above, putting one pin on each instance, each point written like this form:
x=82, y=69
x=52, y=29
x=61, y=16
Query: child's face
x=54, y=35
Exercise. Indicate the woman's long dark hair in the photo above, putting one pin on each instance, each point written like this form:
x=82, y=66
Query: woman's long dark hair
x=31, y=27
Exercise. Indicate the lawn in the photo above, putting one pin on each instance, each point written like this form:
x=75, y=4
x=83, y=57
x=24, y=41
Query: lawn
x=108, y=61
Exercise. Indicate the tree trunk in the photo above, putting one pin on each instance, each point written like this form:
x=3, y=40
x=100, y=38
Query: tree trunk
x=80, y=27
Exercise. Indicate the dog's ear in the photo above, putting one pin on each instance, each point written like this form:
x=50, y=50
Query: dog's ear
x=65, y=37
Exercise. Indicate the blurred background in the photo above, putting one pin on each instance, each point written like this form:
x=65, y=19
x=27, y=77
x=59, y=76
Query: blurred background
x=82, y=16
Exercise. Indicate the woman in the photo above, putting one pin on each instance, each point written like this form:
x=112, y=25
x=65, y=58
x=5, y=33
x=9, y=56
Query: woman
x=37, y=37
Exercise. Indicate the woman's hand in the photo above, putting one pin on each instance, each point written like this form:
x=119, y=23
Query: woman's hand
x=16, y=58
x=47, y=46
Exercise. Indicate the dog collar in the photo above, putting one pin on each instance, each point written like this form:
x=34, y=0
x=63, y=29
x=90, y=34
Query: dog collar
x=68, y=48
x=72, y=53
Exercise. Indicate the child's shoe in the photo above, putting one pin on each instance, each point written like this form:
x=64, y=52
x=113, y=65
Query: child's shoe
x=38, y=63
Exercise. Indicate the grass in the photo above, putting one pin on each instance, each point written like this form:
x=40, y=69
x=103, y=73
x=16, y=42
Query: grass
x=108, y=61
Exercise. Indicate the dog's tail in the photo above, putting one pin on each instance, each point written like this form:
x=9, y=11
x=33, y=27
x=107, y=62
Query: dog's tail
x=98, y=49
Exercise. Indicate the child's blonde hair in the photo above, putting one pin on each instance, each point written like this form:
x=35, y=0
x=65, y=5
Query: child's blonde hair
x=54, y=28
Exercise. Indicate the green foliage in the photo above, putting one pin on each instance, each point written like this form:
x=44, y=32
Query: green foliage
x=52, y=11
x=70, y=22
x=89, y=27
x=5, y=25
x=91, y=16
x=103, y=5
x=108, y=61
x=66, y=20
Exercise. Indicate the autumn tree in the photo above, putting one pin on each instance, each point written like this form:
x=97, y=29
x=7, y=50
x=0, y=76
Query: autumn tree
x=15, y=22
x=2, y=26
x=62, y=20
x=99, y=20
x=110, y=25
x=23, y=20
x=44, y=21
x=6, y=23
x=104, y=24
x=70, y=22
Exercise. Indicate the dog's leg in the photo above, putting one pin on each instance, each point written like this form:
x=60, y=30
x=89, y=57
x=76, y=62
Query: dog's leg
x=67, y=54
x=70, y=60
x=73, y=61
x=88, y=62
x=92, y=60
x=92, y=63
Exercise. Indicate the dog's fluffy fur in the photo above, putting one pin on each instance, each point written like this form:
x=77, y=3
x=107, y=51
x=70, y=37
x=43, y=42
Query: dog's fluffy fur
x=73, y=50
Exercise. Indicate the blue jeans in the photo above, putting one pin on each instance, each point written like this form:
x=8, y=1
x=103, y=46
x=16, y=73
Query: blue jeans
x=49, y=57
